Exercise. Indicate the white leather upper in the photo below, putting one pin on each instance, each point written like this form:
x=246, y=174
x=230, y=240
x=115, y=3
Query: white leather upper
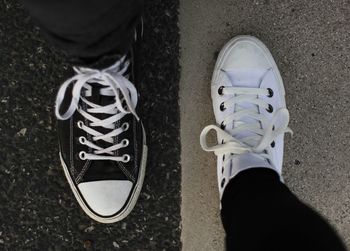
x=246, y=62
x=246, y=54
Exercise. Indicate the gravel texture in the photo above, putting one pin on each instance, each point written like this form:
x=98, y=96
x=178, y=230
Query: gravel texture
x=37, y=209
x=310, y=41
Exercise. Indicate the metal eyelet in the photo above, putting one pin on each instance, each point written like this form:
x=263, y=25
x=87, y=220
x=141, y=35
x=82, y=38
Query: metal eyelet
x=222, y=107
x=126, y=158
x=82, y=155
x=223, y=182
x=270, y=108
x=82, y=140
x=125, y=142
x=80, y=124
x=270, y=95
x=222, y=126
x=273, y=144
x=220, y=90
x=125, y=126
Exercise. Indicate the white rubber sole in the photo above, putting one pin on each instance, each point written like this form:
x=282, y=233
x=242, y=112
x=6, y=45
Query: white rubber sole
x=132, y=201
x=227, y=48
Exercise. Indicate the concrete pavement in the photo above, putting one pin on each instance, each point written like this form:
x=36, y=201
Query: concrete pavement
x=310, y=42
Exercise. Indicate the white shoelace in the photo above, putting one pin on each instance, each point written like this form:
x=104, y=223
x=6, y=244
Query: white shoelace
x=261, y=138
x=117, y=86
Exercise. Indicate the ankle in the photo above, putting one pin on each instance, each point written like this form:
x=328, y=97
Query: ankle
x=249, y=181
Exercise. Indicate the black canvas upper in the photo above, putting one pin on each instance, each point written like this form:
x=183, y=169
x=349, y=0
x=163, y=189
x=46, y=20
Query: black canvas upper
x=69, y=133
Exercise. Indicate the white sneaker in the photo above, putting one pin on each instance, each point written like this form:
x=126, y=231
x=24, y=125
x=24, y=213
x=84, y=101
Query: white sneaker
x=250, y=110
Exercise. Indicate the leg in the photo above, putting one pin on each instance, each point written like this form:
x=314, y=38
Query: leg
x=85, y=29
x=260, y=213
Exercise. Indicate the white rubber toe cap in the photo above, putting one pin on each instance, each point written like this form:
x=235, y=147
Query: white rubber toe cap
x=246, y=53
x=106, y=197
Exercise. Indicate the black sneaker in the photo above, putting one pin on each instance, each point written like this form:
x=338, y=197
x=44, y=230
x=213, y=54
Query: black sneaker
x=102, y=140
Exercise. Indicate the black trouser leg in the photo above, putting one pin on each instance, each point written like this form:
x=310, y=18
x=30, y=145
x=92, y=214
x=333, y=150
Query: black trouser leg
x=259, y=213
x=86, y=30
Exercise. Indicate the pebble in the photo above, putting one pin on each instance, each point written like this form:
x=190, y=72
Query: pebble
x=89, y=229
x=87, y=244
x=22, y=132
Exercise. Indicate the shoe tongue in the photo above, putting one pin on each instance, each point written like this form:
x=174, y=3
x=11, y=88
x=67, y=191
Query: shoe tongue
x=245, y=161
x=102, y=169
x=246, y=78
x=97, y=98
x=101, y=100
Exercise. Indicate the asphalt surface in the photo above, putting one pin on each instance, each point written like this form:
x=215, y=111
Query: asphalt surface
x=37, y=208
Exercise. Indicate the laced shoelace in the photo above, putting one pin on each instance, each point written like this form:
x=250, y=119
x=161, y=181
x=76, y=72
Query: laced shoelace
x=114, y=84
x=260, y=138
